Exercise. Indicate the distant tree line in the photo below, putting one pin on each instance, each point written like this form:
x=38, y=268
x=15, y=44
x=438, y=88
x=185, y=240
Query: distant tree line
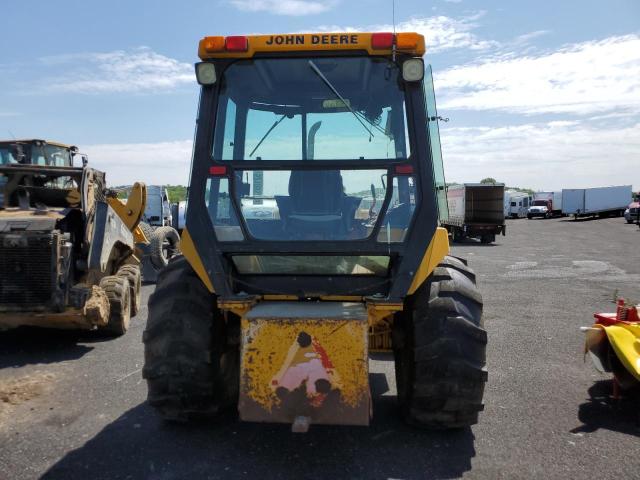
x=177, y=193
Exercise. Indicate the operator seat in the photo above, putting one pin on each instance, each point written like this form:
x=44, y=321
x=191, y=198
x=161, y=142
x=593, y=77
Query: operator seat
x=315, y=205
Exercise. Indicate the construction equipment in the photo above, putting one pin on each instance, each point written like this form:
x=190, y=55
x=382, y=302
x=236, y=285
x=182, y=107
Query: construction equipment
x=286, y=272
x=613, y=343
x=67, y=244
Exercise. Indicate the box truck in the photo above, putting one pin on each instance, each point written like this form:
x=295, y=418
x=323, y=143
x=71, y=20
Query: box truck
x=545, y=204
x=476, y=210
x=599, y=201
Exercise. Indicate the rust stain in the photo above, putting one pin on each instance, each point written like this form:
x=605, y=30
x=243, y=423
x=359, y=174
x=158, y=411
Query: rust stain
x=285, y=360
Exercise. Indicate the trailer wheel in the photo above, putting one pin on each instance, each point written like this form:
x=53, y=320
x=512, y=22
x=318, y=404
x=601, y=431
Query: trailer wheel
x=133, y=275
x=164, y=244
x=439, y=349
x=457, y=235
x=119, y=294
x=191, y=356
x=487, y=238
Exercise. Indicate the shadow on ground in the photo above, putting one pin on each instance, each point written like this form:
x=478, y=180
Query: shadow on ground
x=602, y=411
x=26, y=345
x=139, y=445
x=468, y=242
x=583, y=219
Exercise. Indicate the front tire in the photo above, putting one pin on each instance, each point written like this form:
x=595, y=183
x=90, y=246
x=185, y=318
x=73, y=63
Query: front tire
x=440, y=350
x=191, y=354
x=134, y=277
x=119, y=294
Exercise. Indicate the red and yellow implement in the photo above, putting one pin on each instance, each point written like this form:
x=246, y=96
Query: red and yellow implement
x=613, y=343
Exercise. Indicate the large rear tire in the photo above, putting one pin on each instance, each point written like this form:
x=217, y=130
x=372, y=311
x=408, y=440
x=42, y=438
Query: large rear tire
x=119, y=293
x=439, y=348
x=191, y=354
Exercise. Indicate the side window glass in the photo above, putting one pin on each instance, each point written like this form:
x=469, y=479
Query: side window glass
x=229, y=131
x=434, y=140
x=221, y=211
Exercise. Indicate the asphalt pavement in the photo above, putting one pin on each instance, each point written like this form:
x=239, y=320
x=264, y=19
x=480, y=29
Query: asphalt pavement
x=72, y=405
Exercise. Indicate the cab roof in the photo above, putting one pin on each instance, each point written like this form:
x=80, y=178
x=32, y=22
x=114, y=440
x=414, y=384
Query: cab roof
x=246, y=46
x=37, y=140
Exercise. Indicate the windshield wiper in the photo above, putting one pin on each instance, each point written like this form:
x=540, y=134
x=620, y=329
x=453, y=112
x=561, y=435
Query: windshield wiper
x=275, y=124
x=315, y=68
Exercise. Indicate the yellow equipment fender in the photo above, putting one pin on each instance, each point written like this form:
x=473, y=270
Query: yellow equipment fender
x=625, y=340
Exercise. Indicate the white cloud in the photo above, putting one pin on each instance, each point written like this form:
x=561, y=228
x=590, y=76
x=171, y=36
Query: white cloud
x=583, y=78
x=137, y=70
x=527, y=37
x=153, y=163
x=552, y=155
x=285, y=7
x=441, y=32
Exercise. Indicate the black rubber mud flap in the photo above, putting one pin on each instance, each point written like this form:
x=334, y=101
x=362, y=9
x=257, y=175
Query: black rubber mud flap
x=440, y=350
x=191, y=353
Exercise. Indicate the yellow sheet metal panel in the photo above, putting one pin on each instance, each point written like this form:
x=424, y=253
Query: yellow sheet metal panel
x=214, y=46
x=437, y=250
x=305, y=359
x=189, y=251
x=131, y=212
x=625, y=340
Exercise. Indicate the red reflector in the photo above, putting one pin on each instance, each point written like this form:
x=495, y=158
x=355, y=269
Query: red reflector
x=218, y=171
x=404, y=169
x=237, y=44
x=382, y=40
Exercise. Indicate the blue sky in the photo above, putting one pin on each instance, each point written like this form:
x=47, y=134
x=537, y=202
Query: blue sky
x=542, y=94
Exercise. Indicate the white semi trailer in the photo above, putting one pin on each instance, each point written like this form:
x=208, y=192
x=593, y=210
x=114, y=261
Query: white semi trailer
x=599, y=201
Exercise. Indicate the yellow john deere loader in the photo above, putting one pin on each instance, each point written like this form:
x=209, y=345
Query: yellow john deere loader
x=67, y=244
x=314, y=203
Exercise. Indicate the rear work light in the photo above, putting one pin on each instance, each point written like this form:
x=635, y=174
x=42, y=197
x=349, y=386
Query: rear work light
x=382, y=40
x=237, y=44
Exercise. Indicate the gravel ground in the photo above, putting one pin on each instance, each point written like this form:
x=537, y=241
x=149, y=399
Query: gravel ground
x=72, y=406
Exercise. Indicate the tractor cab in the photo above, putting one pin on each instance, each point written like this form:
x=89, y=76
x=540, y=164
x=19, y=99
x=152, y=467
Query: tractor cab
x=315, y=157
x=37, y=152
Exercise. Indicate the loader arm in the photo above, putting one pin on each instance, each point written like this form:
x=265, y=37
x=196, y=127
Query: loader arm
x=131, y=212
